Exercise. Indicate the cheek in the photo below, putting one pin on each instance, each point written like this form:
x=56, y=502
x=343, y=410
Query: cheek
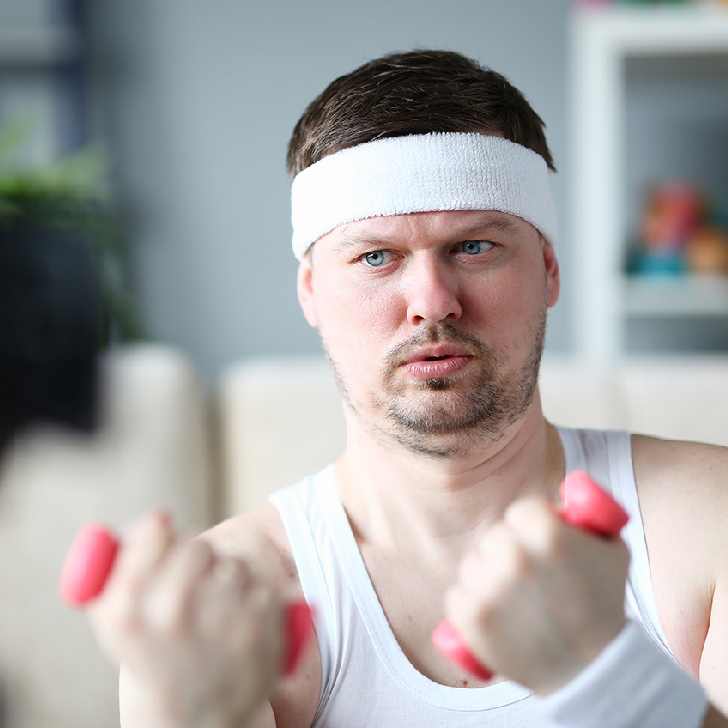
x=356, y=323
x=503, y=305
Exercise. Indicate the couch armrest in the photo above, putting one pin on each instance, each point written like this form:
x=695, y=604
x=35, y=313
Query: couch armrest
x=151, y=451
x=280, y=420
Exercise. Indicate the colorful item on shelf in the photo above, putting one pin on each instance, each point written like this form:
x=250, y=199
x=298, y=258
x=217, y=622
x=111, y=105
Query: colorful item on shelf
x=707, y=251
x=679, y=233
x=674, y=211
x=656, y=2
x=658, y=263
x=649, y=2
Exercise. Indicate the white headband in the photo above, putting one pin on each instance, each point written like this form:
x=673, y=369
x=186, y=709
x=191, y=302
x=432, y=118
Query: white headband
x=421, y=173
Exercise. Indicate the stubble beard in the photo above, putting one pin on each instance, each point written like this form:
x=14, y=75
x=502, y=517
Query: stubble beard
x=475, y=409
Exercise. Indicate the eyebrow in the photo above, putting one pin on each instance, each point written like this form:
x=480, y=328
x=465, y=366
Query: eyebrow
x=348, y=241
x=499, y=224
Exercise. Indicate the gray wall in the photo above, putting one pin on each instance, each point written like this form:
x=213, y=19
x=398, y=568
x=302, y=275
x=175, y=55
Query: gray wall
x=200, y=99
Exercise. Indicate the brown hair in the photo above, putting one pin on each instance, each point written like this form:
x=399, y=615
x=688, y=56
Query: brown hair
x=417, y=92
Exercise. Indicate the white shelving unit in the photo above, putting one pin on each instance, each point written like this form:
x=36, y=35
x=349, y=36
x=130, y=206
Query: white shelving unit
x=604, y=40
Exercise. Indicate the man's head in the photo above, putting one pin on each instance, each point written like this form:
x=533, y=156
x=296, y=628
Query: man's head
x=416, y=132
x=419, y=92
x=422, y=179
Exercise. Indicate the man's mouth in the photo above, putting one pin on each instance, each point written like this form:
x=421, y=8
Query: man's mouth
x=436, y=362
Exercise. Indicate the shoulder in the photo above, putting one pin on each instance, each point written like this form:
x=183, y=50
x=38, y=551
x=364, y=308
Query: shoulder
x=259, y=538
x=683, y=497
x=683, y=488
x=672, y=472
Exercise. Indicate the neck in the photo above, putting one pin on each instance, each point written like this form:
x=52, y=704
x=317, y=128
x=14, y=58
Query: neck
x=392, y=494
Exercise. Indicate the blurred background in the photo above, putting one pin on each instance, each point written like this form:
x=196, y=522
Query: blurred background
x=192, y=104
x=172, y=118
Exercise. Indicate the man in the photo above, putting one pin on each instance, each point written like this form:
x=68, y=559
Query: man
x=425, y=233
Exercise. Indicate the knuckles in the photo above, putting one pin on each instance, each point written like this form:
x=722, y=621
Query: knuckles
x=538, y=527
x=528, y=553
x=189, y=589
x=536, y=585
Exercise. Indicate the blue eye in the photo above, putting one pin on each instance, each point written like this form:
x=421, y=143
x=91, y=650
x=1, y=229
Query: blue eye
x=473, y=247
x=375, y=259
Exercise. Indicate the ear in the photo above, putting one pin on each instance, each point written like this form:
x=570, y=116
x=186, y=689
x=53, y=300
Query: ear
x=305, y=290
x=553, y=277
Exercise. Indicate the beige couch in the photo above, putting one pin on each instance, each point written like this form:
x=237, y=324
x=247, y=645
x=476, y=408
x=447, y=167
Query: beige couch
x=167, y=442
x=282, y=419
x=154, y=450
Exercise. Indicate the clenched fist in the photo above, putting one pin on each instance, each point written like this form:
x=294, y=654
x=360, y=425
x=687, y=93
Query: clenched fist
x=539, y=599
x=199, y=638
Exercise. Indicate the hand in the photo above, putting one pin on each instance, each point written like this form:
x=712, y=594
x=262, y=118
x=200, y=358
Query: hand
x=198, y=636
x=538, y=599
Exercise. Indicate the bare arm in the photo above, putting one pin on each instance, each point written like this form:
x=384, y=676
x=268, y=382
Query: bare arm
x=683, y=491
x=714, y=659
x=199, y=636
x=259, y=538
x=136, y=713
x=688, y=484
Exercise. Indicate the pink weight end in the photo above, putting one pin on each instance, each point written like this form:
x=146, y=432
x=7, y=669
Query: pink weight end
x=299, y=627
x=88, y=564
x=586, y=506
x=91, y=559
x=589, y=507
x=450, y=644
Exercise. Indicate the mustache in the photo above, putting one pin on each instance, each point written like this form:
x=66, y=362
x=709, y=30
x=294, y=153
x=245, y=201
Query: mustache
x=441, y=332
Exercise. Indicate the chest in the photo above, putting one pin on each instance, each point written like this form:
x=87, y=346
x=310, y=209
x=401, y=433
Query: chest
x=411, y=592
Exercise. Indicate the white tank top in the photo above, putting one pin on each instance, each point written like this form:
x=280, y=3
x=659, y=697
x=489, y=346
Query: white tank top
x=366, y=679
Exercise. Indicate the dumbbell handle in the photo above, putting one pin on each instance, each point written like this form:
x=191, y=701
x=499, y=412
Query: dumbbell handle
x=91, y=559
x=586, y=506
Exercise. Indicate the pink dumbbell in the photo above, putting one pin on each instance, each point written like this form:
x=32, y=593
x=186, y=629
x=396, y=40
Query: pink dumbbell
x=586, y=506
x=91, y=559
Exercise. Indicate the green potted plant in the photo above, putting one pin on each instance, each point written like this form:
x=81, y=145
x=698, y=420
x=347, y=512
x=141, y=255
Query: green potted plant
x=71, y=193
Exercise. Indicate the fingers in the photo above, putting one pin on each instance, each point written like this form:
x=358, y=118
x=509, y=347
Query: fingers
x=195, y=631
x=116, y=615
x=164, y=589
x=170, y=599
x=145, y=544
x=538, y=598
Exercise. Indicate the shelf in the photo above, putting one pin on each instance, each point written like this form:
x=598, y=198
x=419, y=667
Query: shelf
x=34, y=45
x=684, y=296
x=658, y=29
x=684, y=48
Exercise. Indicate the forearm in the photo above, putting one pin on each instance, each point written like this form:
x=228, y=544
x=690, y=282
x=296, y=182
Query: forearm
x=146, y=716
x=140, y=707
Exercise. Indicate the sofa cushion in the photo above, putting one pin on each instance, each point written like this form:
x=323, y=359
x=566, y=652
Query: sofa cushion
x=152, y=451
x=281, y=419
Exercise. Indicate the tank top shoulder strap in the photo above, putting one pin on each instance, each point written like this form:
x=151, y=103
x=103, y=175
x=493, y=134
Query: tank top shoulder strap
x=606, y=455
x=300, y=510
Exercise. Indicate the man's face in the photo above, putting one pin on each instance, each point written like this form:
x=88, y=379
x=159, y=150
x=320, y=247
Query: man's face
x=433, y=322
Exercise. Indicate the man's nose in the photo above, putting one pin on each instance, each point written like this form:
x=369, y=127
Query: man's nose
x=431, y=291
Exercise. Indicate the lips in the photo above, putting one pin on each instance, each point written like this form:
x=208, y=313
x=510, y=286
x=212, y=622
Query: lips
x=436, y=361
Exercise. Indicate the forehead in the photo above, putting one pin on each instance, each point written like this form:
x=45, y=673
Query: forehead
x=444, y=224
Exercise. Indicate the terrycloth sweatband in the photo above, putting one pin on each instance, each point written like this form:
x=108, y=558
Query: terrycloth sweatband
x=632, y=684
x=421, y=173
